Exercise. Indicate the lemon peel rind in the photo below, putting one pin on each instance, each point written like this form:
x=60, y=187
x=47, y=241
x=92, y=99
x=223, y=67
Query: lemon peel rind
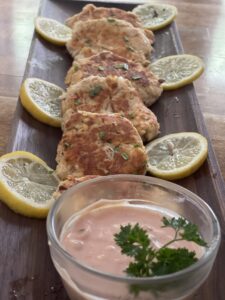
x=184, y=171
x=15, y=201
x=20, y=207
x=35, y=109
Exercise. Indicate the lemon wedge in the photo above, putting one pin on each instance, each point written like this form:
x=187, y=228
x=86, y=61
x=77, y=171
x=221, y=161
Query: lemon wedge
x=26, y=184
x=155, y=16
x=53, y=31
x=42, y=100
x=177, y=70
x=177, y=155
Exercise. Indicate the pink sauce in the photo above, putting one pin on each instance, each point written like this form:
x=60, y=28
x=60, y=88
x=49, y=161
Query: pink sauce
x=90, y=236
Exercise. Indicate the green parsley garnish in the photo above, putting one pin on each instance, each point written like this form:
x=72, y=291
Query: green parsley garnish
x=137, y=145
x=95, y=91
x=75, y=68
x=126, y=39
x=88, y=42
x=130, y=48
x=122, y=66
x=131, y=115
x=116, y=148
x=101, y=68
x=111, y=20
x=77, y=102
x=136, y=77
x=135, y=242
x=66, y=145
x=101, y=134
x=183, y=231
x=124, y=155
x=172, y=260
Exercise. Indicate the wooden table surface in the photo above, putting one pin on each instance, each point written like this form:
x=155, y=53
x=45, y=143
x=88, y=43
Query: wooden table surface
x=201, y=26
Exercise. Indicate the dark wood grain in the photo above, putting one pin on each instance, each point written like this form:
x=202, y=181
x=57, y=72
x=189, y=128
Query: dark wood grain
x=26, y=270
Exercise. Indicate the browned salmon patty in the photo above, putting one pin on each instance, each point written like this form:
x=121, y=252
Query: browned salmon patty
x=69, y=182
x=118, y=36
x=106, y=63
x=90, y=11
x=99, y=144
x=112, y=94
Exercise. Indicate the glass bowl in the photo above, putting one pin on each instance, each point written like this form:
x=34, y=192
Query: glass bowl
x=83, y=282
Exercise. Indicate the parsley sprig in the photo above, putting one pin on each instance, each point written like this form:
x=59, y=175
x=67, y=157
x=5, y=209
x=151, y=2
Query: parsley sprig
x=184, y=230
x=135, y=242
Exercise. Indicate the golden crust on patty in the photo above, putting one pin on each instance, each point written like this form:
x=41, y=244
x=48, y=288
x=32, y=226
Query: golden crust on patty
x=106, y=63
x=99, y=144
x=118, y=36
x=90, y=11
x=112, y=94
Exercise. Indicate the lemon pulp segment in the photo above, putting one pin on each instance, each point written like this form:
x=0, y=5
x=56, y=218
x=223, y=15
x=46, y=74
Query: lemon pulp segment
x=53, y=31
x=176, y=155
x=155, y=16
x=26, y=183
x=42, y=100
x=177, y=70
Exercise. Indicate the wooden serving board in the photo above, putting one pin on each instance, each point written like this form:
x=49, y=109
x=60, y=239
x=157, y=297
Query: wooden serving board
x=26, y=270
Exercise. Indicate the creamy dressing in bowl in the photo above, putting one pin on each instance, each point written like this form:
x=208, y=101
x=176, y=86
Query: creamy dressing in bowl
x=80, y=221
x=89, y=235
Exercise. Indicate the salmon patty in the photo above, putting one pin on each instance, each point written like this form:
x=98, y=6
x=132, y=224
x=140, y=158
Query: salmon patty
x=118, y=36
x=69, y=182
x=99, y=144
x=106, y=63
x=91, y=11
x=112, y=94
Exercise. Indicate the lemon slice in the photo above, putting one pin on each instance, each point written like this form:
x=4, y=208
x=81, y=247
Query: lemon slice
x=42, y=100
x=53, y=31
x=155, y=16
x=177, y=70
x=177, y=155
x=26, y=184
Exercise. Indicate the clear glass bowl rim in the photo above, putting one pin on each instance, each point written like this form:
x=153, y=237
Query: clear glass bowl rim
x=140, y=178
